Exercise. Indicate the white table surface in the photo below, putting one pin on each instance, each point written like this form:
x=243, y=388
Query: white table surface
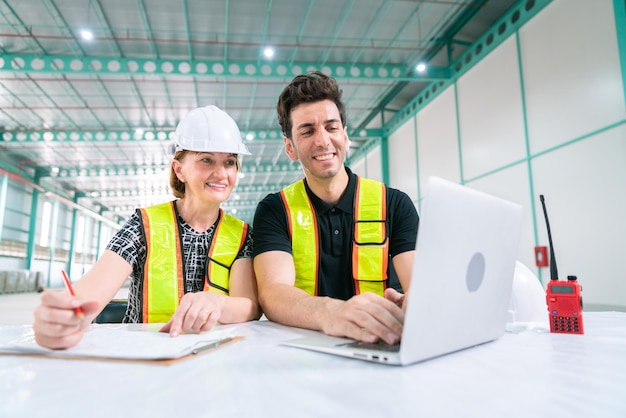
x=531, y=373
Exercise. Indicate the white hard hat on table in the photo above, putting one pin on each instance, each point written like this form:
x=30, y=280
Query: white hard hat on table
x=209, y=129
x=527, y=306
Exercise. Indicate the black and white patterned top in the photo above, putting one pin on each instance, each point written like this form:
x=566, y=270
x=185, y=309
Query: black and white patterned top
x=130, y=244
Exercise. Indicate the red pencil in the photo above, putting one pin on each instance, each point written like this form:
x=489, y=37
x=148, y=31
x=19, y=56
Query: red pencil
x=78, y=310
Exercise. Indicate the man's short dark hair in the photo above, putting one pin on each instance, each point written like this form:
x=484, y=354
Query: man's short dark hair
x=312, y=87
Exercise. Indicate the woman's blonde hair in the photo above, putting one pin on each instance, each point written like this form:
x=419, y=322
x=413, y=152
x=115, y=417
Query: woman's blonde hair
x=178, y=187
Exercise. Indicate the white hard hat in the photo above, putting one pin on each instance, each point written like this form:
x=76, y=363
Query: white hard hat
x=527, y=306
x=209, y=129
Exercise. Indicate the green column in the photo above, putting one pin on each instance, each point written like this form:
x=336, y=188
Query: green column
x=52, y=237
x=619, y=6
x=384, y=157
x=70, y=258
x=3, y=200
x=34, y=207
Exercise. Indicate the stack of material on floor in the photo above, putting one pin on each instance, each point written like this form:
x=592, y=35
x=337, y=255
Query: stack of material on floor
x=20, y=281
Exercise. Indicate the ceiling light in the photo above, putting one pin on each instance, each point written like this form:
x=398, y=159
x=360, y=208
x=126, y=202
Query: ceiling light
x=87, y=35
x=268, y=52
x=421, y=67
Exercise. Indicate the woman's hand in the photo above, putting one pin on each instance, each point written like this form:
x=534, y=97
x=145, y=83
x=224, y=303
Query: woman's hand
x=56, y=325
x=196, y=312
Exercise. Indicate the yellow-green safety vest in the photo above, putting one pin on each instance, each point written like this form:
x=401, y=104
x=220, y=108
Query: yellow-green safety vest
x=163, y=281
x=370, y=246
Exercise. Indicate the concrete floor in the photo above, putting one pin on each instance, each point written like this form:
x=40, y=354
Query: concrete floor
x=17, y=308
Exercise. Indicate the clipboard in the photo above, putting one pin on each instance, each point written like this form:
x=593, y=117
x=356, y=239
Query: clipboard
x=127, y=343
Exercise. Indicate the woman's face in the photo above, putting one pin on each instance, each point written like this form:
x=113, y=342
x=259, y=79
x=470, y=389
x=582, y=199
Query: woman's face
x=208, y=176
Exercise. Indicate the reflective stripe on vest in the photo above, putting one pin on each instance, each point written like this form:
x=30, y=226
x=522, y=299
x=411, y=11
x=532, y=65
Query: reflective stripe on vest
x=163, y=284
x=232, y=234
x=303, y=231
x=370, y=244
x=163, y=272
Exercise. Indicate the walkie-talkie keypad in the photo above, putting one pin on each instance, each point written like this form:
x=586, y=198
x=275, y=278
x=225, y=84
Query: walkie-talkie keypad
x=566, y=324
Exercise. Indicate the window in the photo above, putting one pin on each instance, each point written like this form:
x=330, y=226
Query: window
x=44, y=238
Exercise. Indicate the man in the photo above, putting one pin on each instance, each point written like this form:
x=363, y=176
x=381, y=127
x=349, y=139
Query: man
x=322, y=244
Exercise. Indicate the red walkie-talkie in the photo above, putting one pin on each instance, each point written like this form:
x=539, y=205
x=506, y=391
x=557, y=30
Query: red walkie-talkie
x=564, y=299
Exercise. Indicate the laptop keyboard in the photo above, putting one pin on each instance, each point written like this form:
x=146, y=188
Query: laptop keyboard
x=381, y=346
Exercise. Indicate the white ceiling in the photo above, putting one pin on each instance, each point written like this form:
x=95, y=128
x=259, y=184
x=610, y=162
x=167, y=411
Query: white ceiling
x=89, y=120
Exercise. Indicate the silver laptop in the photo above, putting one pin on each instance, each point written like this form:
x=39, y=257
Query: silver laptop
x=460, y=288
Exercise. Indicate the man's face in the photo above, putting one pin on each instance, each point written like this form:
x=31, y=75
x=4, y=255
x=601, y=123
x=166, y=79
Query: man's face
x=319, y=139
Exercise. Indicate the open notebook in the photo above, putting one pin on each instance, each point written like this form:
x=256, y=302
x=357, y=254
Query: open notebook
x=467, y=245
x=120, y=342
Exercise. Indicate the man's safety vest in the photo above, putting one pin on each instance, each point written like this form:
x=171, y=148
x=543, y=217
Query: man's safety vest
x=164, y=275
x=370, y=246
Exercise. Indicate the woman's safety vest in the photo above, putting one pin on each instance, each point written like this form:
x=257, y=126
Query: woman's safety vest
x=164, y=276
x=370, y=246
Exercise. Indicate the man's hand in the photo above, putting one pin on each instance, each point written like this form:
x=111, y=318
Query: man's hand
x=396, y=297
x=366, y=317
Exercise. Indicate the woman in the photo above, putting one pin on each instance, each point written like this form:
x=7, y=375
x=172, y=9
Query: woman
x=181, y=274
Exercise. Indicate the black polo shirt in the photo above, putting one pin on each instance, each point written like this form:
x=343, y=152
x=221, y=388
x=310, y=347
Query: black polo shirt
x=335, y=223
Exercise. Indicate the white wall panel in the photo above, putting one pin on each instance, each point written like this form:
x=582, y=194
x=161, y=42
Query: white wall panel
x=358, y=167
x=491, y=115
x=584, y=186
x=370, y=165
x=512, y=184
x=12, y=263
x=402, y=160
x=573, y=88
x=374, y=164
x=571, y=69
x=437, y=145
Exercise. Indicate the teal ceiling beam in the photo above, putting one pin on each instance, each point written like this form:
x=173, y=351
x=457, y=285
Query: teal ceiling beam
x=260, y=188
x=619, y=7
x=131, y=206
x=148, y=194
x=53, y=194
x=304, y=17
x=115, y=136
x=366, y=133
x=240, y=188
x=241, y=203
x=199, y=68
x=151, y=169
x=22, y=25
x=86, y=136
x=164, y=134
x=363, y=150
x=342, y=18
x=508, y=24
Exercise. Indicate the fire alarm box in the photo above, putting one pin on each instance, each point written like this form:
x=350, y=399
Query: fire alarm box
x=541, y=256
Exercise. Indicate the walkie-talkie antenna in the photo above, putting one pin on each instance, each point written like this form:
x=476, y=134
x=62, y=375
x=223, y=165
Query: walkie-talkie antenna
x=554, y=275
